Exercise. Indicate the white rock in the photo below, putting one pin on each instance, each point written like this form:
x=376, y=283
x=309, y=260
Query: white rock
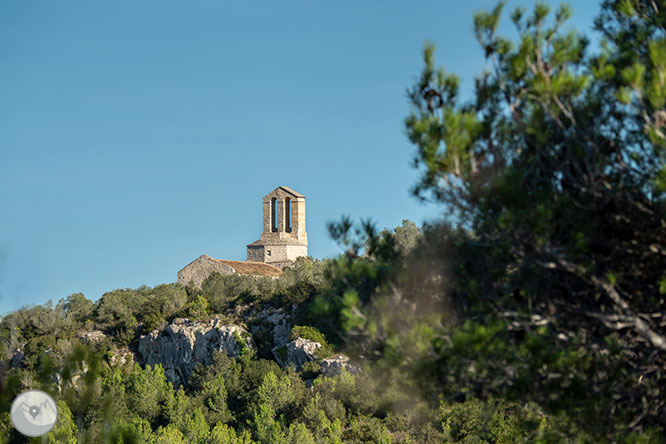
x=17, y=359
x=333, y=366
x=183, y=343
x=278, y=322
x=296, y=353
x=91, y=336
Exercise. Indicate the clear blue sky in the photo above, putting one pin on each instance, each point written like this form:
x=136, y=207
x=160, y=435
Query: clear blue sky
x=137, y=135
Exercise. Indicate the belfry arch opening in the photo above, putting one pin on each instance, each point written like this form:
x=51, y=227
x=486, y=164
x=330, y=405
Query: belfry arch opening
x=287, y=215
x=274, y=215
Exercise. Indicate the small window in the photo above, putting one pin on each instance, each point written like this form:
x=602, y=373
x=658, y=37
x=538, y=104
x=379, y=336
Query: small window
x=268, y=252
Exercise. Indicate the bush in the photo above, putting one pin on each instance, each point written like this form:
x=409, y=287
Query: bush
x=197, y=308
x=503, y=421
x=312, y=334
x=307, y=332
x=223, y=291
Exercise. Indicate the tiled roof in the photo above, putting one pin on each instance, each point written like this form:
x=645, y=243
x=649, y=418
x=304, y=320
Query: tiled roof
x=255, y=268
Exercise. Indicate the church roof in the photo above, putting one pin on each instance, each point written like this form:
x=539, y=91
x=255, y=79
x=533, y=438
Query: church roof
x=255, y=268
x=277, y=241
x=198, y=270
x=290, y=191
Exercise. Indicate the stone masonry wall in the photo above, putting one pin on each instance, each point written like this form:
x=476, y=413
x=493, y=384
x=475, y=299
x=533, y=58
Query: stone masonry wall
x=198, y=270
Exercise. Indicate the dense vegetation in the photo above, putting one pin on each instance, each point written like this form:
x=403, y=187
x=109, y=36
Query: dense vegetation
x=532, y=313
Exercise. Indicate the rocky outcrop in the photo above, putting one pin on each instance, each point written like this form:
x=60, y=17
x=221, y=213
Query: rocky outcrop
x=17, y=359
x=121, y=357
x=74, y=379
x=278, y=324
x=181, y=345
x=331, y=367
x=296, y=353
x=91, y=336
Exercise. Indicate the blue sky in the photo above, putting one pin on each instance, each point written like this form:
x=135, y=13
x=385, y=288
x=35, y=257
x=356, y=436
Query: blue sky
x=136, y=136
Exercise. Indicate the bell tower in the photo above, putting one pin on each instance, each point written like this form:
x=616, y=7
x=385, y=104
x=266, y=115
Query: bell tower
x=284, y=237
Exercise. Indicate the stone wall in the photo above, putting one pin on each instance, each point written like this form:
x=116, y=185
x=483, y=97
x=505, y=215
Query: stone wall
x=273, y=252
x=256, y=253
x=199, y=269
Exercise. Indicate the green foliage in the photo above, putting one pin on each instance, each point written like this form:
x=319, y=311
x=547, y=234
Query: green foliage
x=223, y=434
x=299, y=434
x=65, y=430
x=349, y=274
x=310, y=370
x=36, y=350
x=198, y=308
x=365, y=429
x=121, y=311
x=499, y=421
x=224, y=290
x=77, y=308
x=168, y=434
x=122, y=433
x=267, y=429
x=282, y=353
x=407, y=237
x=195, y=428
x=300, y=282
x=214, y=396
x=553, y=176
x=297, y=283
x=312, y=334
x=149, y=395
x=276, y=393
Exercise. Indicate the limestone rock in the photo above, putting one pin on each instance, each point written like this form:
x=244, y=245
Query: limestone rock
x=74, y=378
x=91, y=336
x=296, y=353
x=17, y=359
x=277, y=321
x=331, y=367
x=183, y=343
x=121, y=357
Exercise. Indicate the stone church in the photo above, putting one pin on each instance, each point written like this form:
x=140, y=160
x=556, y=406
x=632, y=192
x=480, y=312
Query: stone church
x=282, y=241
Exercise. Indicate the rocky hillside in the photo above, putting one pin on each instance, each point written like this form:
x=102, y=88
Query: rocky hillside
x=183, y=344
x=150, y=352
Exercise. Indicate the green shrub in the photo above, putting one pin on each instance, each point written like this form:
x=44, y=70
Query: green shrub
x=197, y=308
x=282, y=353
x=312, y=334
x=223, y=291
x=307, y=332
x=502, y=421
x=310, y=370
